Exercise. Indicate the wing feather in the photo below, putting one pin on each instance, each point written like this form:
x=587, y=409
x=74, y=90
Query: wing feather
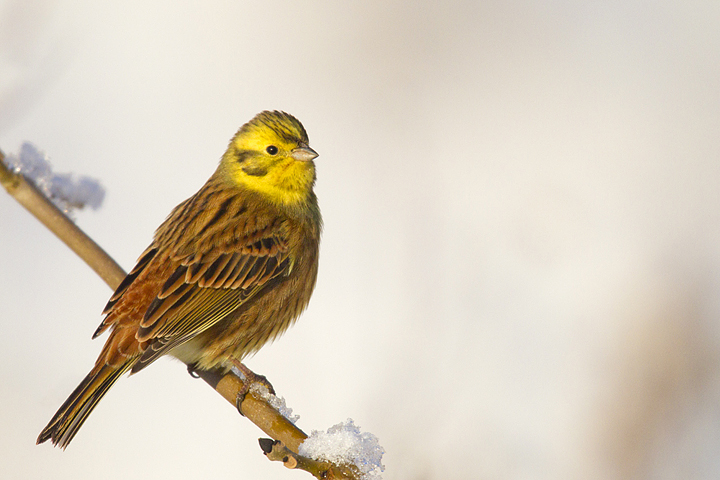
x=175, y=281
x=197, y=272
x=130, y=278
x=205, y=288
x=227, y=271
x=142, y=262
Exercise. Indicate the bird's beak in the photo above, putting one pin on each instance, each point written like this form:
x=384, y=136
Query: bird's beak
x=303, y=153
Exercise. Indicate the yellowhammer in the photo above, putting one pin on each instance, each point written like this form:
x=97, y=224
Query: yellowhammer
x=230, y=269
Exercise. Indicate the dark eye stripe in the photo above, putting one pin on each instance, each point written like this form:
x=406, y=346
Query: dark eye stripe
x=242, y=155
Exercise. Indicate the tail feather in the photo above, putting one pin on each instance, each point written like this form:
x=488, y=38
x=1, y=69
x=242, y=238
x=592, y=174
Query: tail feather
x=73, y=413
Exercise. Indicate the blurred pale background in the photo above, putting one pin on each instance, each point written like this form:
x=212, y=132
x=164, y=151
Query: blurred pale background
x=520, y=272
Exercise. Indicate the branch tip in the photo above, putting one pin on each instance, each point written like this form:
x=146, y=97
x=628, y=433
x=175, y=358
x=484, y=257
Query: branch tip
x=266, y=444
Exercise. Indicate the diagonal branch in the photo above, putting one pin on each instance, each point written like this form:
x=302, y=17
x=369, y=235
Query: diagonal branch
x=28, y=195
x=254, y=406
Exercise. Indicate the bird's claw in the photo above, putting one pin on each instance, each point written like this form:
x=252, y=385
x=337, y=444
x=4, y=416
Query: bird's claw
x=251, y=380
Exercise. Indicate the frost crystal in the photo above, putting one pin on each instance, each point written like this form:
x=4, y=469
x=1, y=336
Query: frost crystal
x=343, y=444
x=66, y=190
x=278, y=403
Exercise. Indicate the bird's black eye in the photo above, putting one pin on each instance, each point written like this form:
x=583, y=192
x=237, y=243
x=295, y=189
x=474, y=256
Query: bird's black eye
x=272, y=150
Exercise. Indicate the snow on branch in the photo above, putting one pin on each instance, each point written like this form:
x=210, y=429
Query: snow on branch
x=344, y=444
x=66, y=190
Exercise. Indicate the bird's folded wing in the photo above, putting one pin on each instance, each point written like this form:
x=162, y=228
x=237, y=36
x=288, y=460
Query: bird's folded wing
x=205, y=288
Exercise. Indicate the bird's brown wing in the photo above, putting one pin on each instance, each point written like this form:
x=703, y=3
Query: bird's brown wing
x=139, y=268
x=171, y=296
x=206, y=287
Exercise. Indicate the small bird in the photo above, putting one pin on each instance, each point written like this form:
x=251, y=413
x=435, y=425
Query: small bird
x=231, y=268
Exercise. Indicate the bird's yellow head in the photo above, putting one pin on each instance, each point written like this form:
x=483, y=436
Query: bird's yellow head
x=270, y=155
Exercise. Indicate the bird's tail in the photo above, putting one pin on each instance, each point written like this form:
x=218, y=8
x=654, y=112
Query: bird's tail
x=72, y=414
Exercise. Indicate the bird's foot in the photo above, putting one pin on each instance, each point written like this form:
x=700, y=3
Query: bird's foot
x=251, y=380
